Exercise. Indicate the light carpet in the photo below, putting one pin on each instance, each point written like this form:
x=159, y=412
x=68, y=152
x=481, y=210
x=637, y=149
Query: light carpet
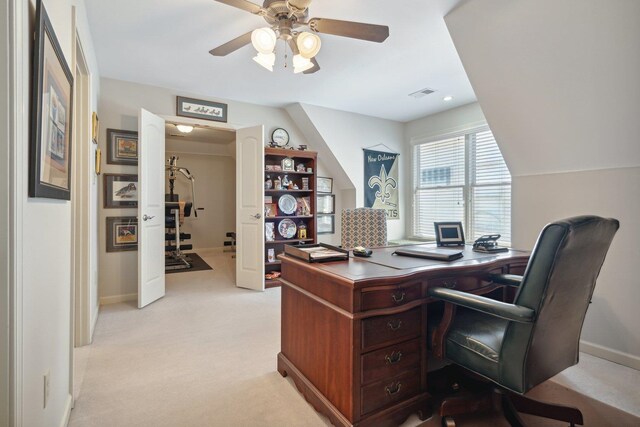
x=205, y=355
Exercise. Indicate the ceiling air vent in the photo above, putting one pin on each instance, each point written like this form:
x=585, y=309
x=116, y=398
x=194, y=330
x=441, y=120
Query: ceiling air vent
x=422, y=92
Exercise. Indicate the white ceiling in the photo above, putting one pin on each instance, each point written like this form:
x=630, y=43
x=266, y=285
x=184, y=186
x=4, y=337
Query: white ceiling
x=200, y=134
x=166, y=42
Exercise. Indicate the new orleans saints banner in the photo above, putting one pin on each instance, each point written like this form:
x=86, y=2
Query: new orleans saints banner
x=381, y=182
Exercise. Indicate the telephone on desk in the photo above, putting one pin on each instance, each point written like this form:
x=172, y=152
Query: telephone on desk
x=488, y=244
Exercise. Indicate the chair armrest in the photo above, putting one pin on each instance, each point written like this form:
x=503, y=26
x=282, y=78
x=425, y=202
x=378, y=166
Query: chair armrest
x=506, y=311
x=506, y=279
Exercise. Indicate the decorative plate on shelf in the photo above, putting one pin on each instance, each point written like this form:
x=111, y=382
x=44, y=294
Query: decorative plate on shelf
x=287, y=204
x=287, y=228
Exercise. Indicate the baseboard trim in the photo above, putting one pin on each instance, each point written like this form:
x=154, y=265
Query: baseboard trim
x=612, y=355
x=114, y=299
x=67, y=411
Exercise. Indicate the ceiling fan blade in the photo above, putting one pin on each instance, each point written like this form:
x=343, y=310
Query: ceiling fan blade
x=244, y=5
x=355, y=30
x=300, y=5
x=232, y=46
x=315, y=67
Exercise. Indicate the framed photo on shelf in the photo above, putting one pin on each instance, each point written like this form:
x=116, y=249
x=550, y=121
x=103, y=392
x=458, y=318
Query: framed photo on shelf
x=201, y=109
x=120, y=191
x=325, y=185
x=326, y=224
x=122, y=233
x=122, y=147
x=52, y=92
x=270, y=210
x=326, y=204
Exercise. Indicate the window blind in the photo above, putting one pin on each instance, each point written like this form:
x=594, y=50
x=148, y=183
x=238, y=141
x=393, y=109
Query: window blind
x=466, y=179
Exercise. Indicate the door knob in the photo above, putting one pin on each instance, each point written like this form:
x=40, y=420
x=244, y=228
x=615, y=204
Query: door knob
x=146, y=217
x=257, y=216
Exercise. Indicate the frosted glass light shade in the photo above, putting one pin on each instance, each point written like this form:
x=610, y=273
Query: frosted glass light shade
x=264, y=40
x=308, y=44
x=300, y=64
x=185, y=128
x=266, y=60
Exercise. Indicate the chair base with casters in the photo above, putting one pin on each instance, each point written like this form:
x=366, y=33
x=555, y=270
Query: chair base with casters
x=514, y=347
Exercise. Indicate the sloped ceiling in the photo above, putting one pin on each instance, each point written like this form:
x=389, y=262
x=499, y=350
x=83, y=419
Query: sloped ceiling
x=558, y=81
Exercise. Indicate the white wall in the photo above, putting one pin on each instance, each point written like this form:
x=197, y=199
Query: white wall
x=558, y=83
x=43, y=242
x=341, y=137
x=215, y=192
x=120, y=103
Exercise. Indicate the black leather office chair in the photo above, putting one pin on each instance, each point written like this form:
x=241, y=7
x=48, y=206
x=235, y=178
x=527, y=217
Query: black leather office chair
x=518, y=346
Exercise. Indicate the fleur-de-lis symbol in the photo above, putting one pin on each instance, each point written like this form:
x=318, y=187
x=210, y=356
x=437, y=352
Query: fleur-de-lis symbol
x=385, y=184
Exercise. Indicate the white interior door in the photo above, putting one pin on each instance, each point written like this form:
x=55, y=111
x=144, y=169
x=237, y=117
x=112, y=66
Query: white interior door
x=150, y=208
x=250, y=208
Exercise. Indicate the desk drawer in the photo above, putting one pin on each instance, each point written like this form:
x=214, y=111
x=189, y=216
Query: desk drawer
x=392, y=297
x=390, y=361
x=460, y=283
x=394, y=327
x=393, y=390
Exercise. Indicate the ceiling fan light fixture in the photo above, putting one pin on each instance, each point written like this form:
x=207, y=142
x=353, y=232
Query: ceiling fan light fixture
x=264, y=40
x=266, y=60
x=300, y=64
x=308, y=44
x=185, y=128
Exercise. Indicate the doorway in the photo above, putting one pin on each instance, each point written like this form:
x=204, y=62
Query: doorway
x=200, y=174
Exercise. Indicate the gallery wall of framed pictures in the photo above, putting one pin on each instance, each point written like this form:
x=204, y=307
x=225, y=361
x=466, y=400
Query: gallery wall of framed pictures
x=326, y=203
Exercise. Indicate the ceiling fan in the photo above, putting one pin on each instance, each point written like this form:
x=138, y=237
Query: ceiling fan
x=284, y=18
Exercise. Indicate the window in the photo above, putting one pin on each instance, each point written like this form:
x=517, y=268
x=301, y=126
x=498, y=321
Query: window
x=462, y=178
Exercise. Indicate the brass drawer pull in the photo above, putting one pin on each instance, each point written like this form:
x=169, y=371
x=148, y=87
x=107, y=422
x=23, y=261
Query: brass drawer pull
x=450, y=285
x=394, y=358
x=396, y=388
x=397, y=299
x=396, y=326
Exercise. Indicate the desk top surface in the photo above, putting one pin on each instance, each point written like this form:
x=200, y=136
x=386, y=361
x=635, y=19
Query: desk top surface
x=384, y=264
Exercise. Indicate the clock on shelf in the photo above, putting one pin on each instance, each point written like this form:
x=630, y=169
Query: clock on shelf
x=288, y=164
x=280, y=137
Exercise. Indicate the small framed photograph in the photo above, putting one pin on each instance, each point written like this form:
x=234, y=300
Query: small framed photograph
x=270, y=231
x=449, y=233
x=325, y=185
x=326, y=204
x=122, y=147
x=51, y=113
x=95, y=127
x=120, y=191
x=201, y=109
x=271, y=255
x=326, y=224
x=270, y=209
x=122, y=233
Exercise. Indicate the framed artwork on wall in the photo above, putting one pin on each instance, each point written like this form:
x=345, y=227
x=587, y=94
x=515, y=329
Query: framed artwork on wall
x=50, y=144
x=326, y=204
x=120, y=191
x=122, y=147
x=326, y=224
x=325, y=185
x=201, y=109
x=122, y=233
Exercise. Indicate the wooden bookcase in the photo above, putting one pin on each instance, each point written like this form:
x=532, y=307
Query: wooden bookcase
x=273, y=158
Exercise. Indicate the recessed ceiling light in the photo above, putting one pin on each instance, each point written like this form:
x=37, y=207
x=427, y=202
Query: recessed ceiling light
x=184, y=128
x=447, y=98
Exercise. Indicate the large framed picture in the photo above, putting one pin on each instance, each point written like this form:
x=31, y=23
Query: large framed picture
x=120, y=191
x=326, y=224
x=50, y=145
x=122, y=233
x=201, y=109
x=122, y=147
x=326, y=204
x=325, y=185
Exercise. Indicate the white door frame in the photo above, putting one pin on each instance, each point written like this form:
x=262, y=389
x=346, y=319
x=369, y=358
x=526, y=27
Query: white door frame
x=16, y=19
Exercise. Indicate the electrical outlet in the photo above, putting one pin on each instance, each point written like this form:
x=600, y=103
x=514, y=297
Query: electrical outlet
x=47, y=388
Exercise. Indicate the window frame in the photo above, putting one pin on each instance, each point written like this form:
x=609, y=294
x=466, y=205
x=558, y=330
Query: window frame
x=469, y=179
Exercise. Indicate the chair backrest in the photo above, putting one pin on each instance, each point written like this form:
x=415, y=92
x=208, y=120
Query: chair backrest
x=363, y=227
x=558, y=283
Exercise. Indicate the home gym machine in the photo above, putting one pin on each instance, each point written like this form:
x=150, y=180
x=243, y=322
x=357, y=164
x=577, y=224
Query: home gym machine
x=175, y=210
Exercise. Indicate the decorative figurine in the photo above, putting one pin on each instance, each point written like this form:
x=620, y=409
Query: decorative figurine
x=268, y=184
x=277, y=184
x=302, y=230
x=301, y=167
x=285, y=182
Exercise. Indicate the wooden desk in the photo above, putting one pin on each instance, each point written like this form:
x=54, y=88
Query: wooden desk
x=354, y=333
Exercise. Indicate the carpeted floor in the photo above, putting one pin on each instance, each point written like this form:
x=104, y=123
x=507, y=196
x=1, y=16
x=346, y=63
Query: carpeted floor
x=205, y=355
x=197, y=264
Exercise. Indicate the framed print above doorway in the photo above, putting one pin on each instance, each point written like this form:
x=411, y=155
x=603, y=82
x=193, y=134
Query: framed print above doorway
x=200, y=109
x=50, y=145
